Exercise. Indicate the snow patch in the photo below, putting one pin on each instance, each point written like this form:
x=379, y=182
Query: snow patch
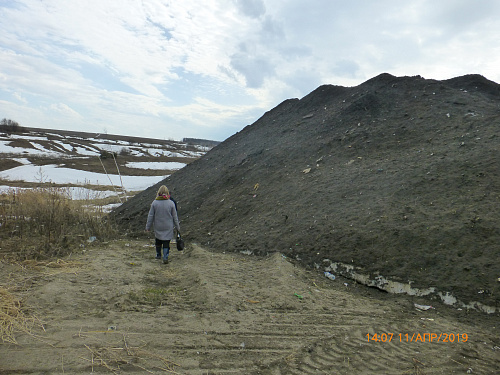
x=383, y=283
x=55, y=174
x=155, y=165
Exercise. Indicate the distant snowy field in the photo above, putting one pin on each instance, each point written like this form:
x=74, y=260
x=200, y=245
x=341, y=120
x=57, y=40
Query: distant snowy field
x=61, y=176
x=20, y=147
x=64, y=146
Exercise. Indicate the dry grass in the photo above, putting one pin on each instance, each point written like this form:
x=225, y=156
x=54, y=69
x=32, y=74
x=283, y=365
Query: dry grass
x=14, y=318
x=52, y=267
x=18, y=277
x=38, y=226
x=115, y=357
x=45, y=222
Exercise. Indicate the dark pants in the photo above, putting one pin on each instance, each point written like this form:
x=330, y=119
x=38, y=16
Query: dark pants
x=166, y=248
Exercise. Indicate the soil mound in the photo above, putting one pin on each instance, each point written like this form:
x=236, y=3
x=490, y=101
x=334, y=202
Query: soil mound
x=397, y=178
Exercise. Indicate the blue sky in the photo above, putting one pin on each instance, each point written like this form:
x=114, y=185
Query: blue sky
x=206, y=69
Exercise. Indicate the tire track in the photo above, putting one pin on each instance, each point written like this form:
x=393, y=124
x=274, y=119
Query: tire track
x=214, y=313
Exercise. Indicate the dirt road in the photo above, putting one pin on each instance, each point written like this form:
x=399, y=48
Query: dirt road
x=115, y=309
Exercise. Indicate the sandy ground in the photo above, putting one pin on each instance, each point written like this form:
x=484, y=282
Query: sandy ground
x=115, y=309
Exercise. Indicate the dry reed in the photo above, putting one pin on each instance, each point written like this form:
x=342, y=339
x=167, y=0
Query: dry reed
x=45, y=222
x=14, y=318
x=115, y=357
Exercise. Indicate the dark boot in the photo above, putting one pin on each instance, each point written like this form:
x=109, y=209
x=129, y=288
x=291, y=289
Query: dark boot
x=166, y=251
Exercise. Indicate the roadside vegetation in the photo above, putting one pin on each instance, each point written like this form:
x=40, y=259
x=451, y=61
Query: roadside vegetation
x=38, y=227
x=45, y=222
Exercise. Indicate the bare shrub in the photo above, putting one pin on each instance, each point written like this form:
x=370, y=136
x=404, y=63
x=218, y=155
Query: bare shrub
x=107, y=154
x=125, y=151
x=11, y=126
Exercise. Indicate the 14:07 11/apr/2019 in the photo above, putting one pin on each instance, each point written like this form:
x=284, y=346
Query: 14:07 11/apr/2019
x=417, y=337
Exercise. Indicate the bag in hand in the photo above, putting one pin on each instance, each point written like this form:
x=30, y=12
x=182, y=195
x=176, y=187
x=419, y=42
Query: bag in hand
x=179, y=242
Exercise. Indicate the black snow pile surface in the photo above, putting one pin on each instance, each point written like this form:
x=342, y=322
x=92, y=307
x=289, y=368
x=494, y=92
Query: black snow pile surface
x=399, y=176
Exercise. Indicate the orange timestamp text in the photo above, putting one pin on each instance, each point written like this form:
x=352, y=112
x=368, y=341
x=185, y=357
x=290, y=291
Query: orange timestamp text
x=417, y=337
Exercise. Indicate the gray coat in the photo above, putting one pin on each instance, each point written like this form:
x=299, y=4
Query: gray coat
x=164, y=217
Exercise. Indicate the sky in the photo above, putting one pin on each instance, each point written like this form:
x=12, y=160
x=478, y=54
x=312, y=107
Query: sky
x=171, y=69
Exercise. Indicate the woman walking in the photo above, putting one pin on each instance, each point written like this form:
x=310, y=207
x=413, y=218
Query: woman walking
x=163, y=216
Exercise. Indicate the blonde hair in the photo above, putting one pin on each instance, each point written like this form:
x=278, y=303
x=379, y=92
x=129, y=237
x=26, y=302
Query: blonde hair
x=163, y=190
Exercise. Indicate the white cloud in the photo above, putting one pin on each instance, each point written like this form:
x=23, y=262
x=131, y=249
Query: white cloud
x=63, y=109
x=251, y=8
x=208, y=70
x=19, y=97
